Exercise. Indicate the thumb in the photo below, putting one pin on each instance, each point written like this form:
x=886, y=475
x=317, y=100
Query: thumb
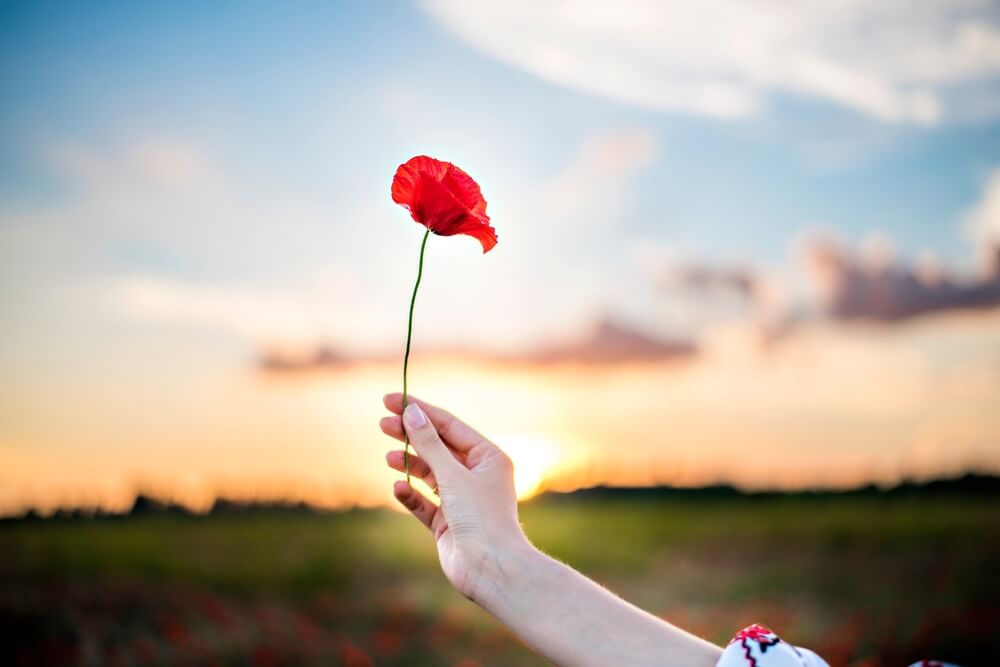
x=425, y=439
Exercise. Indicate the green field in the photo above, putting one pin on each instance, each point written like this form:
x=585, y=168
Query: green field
x=882, y=579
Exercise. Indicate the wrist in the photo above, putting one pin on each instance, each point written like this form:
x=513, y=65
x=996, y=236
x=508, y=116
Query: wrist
x=529, y=593
x=503, y=573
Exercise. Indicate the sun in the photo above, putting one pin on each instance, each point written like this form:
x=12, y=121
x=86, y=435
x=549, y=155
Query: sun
x=535, y=458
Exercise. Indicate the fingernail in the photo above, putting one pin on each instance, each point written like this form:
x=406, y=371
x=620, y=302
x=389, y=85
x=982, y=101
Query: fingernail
x=415, y=417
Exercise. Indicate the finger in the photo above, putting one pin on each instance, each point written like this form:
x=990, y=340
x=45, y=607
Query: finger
x=453, y=430
x=418, y=467
x=428, y=444
x=414, y=501
x=393, y=427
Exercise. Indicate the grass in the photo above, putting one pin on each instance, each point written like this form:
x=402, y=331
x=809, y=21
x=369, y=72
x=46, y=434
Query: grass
x=875, y=578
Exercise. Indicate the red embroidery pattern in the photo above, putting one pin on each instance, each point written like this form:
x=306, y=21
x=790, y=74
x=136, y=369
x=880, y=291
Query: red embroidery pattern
x=755, y=633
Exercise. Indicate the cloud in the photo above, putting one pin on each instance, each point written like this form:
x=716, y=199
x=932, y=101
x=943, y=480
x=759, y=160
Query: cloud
x=704, y=278
x=166, y=166
x=323, y=357
x=608, y=342
x=242, y=311
x=594, y=187
x=872, y=285
x=892, y=61
x=982, y=223
x=177, y=235
x=867, y=282
x=832, y=280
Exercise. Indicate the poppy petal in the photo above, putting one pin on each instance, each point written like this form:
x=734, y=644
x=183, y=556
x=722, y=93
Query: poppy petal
x=437, y=208
x=407, y=179
x=481, y=230
x=465, y=189
x=443, y=198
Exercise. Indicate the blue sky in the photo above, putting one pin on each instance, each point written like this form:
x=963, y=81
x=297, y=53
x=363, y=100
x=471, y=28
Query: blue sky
x=282, y=91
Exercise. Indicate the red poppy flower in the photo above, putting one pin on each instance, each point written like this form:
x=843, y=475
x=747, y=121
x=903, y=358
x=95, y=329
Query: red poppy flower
x=446, y=201
x=443, y=198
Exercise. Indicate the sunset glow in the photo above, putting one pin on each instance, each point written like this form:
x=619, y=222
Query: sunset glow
x=535, y=459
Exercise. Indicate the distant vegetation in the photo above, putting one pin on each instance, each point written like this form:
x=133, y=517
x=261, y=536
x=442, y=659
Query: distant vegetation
x=967, y=485
x=884, y=577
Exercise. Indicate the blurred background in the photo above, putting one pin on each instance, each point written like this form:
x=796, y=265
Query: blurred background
x=749, y=268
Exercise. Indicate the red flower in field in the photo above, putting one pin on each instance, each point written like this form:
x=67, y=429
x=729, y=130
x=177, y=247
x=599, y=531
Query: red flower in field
x=443, y=198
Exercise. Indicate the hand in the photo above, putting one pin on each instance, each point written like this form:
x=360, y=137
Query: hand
x=476, y=526
x=566, y=617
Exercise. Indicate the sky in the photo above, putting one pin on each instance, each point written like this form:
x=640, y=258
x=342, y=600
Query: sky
x=753, y=244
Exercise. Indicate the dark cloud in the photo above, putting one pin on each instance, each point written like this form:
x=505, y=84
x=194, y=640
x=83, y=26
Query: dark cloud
x=705, y=278
x=323, y=357
x=607, y=343
x=863, y=283
x=858, y=287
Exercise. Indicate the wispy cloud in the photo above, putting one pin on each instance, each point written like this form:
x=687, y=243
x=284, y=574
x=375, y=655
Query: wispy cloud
x=842, y=282
x=249, y=264
x=834, y=280
x=709, y=278
x=982, y=223
x=606, y=342
x=611, y=342
x=892, y=61
x=246, y=312
x=872, y=286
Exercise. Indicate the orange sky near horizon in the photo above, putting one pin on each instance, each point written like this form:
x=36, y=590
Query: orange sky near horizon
x=828, y=406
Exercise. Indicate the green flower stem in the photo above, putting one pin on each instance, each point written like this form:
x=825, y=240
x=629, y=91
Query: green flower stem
x=406, y=356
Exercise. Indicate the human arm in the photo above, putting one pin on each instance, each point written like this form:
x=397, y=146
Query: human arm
x=560, y=613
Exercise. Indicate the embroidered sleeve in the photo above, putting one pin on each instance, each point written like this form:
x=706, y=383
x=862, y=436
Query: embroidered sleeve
x=757, y=646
